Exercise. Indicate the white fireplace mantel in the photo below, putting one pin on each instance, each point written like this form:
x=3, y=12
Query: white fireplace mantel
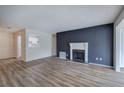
x=81, y=46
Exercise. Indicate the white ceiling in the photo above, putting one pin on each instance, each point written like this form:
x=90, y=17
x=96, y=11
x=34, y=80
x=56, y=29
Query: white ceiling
x=54, y=19
x=10, y=28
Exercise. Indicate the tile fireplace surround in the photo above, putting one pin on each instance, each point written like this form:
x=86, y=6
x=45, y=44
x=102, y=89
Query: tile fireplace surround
x=81, y=46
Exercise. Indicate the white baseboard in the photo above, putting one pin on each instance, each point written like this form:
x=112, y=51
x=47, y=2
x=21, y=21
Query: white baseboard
x=101, y=65
x=91, y=63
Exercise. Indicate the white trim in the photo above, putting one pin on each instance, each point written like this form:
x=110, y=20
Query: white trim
x=88, y=63
x=101, y=65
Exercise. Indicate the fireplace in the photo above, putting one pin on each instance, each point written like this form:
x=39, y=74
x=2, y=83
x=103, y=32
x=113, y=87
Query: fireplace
x=78, y=55
x=79, y=52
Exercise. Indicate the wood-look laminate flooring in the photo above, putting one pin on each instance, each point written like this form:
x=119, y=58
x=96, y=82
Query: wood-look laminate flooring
x=54, y=72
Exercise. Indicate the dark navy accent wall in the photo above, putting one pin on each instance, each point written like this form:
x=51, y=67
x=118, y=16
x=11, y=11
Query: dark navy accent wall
x=99, y=38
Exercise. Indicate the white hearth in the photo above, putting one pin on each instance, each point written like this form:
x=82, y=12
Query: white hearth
x=81, y=46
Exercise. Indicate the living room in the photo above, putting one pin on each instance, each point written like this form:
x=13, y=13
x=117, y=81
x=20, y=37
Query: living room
x=61, y=46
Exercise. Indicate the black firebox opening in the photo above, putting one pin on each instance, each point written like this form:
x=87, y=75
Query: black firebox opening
x=78, y=55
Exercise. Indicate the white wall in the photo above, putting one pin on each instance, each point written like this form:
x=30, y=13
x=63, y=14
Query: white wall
x=122, y=48
x=117, y=41
x=6, y=45
x=43, y=50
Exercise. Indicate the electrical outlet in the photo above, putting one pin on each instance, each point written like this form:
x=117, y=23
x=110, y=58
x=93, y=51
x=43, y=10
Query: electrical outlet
x=97, y=58
x=100, y=59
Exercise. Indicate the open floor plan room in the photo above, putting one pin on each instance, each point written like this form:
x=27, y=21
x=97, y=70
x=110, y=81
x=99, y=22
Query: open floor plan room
x=62, y=46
